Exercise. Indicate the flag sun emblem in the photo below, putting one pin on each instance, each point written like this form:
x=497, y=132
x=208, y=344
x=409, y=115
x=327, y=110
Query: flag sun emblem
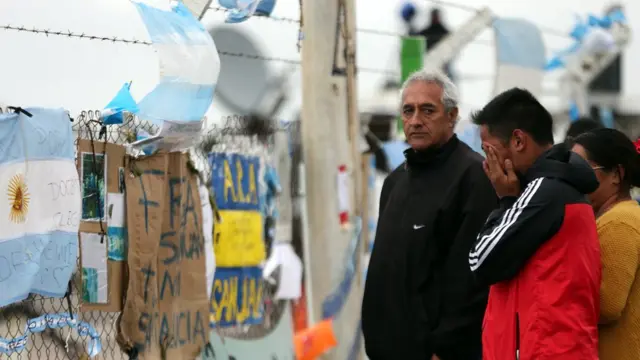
x=18, y=199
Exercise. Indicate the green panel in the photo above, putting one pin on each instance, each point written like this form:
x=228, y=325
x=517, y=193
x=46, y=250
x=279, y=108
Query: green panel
x=411, y=60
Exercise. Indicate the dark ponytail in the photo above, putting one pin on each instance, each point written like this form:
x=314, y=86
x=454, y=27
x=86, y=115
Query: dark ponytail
x=611, y=148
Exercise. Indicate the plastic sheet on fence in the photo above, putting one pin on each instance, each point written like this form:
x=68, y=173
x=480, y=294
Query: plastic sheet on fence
x=189, y=65
x=52, y=321
x=40, y=220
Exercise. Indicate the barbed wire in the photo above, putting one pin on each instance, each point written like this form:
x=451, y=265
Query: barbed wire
x=71, y=34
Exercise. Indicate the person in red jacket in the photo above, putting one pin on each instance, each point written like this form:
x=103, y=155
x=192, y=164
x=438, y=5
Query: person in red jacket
x=539, y=251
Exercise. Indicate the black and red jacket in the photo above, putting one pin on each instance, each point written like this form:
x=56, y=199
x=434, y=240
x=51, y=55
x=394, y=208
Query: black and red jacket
x=541, y=255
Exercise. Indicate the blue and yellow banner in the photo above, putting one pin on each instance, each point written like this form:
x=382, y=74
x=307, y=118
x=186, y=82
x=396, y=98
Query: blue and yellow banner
x=237, y=297
x=239, y=237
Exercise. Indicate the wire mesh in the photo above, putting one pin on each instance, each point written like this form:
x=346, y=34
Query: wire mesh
x=65, y=343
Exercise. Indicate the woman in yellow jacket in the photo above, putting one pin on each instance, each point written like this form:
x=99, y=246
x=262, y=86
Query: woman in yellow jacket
x=616, y=162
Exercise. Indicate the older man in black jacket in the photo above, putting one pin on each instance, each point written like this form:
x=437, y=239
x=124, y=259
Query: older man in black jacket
x=420, y=300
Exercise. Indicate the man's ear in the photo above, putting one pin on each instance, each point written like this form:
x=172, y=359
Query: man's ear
x=453, y=116
x=519, y=139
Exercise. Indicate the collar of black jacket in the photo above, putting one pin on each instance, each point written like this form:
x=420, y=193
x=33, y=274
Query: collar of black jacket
x=560, y=163
x=421, y=158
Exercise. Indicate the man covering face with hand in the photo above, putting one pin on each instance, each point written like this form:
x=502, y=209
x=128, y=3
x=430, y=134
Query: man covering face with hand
x=539, y=251
x=421, y=301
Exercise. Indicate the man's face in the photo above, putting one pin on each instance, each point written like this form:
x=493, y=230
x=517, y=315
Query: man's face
x=425, y=121
x=504, y=149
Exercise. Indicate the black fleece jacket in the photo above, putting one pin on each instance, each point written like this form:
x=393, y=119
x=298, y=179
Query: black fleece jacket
x=420, y=296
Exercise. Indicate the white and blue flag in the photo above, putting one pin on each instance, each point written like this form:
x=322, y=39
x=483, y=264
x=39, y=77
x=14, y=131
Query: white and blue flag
x=41, y=207
x=521, y=55
x=189, y=65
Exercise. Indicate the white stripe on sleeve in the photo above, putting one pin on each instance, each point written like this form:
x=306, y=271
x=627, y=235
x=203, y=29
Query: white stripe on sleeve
x=486, y=245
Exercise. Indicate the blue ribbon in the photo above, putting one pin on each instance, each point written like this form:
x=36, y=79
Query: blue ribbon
x=52, y=321
x=333, y=304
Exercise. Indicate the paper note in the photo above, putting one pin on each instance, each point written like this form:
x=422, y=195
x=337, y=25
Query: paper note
x=94, y=268
x=290, y=284
x=115, y=209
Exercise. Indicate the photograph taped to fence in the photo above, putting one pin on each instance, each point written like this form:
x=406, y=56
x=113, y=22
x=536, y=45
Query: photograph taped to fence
x=94, y=186
x=39, y=217
x=94, y=268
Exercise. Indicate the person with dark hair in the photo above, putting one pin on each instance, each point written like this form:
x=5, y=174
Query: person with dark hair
x=435, y=32
x=581, y=126
x=539, y=251
x=616, y=163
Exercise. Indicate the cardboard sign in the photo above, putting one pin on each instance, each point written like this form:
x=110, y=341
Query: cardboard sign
x=237, y=297
x=239, y=240
x=166, y=310
x=96, y=188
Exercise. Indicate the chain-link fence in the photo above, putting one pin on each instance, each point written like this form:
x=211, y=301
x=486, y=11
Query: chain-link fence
x=65, y=343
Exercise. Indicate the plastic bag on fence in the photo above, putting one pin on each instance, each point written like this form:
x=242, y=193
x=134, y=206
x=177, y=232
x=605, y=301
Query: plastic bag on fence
x=113, y=113
x=189, y=65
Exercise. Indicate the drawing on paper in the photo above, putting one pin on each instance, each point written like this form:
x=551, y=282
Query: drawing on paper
x=18, y=199
x=117, y=243
x=94, y=186
x=89, y=285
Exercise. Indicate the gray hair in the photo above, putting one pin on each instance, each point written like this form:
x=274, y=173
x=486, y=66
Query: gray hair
x=449, y=89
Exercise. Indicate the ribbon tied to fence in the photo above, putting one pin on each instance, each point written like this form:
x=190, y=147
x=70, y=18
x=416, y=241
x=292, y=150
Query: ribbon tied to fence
x=53, y=321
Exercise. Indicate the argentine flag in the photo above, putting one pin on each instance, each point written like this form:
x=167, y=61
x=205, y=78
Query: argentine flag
x=40, y=210
x=189, y=65
x=521, y=55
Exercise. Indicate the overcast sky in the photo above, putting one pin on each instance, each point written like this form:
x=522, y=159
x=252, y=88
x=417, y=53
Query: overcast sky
x=80, y=74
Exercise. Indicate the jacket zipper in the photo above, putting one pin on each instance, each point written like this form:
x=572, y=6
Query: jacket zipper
x=517, y=336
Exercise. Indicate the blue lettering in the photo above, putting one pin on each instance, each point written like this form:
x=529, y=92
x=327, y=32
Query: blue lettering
x=175, y=257
x=164, y=329
x=174, y=285
x=146, y=203
x=181, y=341
x=189, y=207
x=145, y=322
x=148, y=273
x=198, y=329
x=186, y=249
x=174, y=199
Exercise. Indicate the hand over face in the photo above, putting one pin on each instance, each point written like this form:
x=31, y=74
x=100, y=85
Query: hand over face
x=501, y=173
